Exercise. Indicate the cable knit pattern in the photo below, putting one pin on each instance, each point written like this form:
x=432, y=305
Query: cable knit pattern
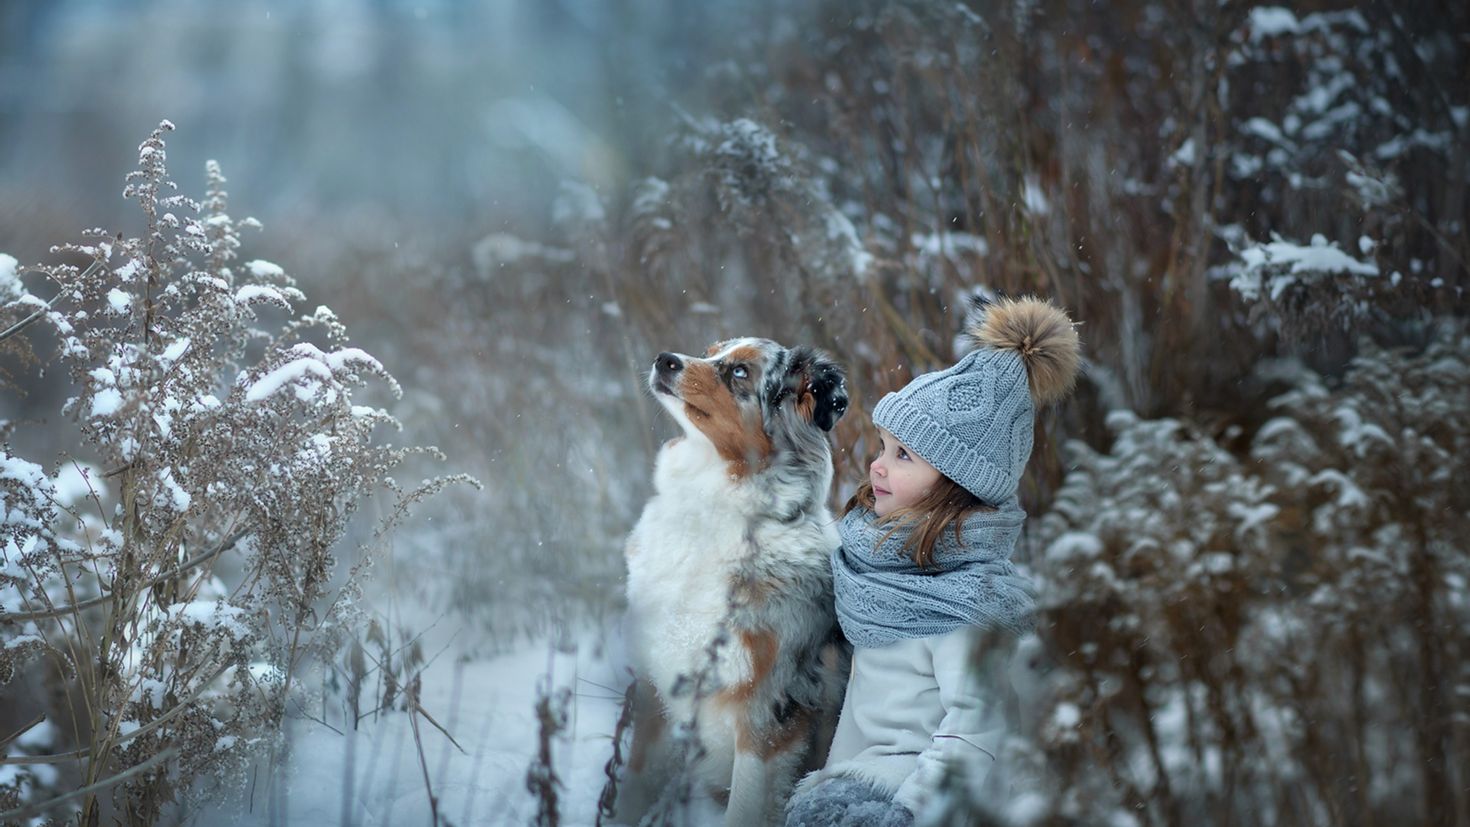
x=883, y=596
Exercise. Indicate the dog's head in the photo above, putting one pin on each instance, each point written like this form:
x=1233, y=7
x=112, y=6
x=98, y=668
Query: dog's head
x=752, y=399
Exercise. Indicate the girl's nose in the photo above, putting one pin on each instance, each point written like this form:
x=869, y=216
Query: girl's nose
x=876, y=467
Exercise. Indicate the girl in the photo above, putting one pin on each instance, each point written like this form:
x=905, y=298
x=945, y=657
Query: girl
x=923, y=577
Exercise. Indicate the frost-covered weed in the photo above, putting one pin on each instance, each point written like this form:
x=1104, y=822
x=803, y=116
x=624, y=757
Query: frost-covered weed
x=1256, y=635
x=175, y=602
x=1328, y=114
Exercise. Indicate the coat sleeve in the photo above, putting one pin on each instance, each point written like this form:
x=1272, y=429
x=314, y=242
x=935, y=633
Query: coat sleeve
x=974, y=725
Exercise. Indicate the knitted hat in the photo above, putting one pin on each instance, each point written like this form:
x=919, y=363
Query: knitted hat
x=973, y=421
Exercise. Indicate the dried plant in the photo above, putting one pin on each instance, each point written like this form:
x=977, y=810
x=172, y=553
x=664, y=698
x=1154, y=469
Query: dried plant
x=175, y=604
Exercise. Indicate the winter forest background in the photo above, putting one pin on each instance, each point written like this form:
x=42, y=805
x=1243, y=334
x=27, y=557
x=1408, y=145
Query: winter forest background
x=229, y=589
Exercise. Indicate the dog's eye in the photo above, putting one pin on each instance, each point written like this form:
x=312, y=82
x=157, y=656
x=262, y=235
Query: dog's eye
x=739, y=372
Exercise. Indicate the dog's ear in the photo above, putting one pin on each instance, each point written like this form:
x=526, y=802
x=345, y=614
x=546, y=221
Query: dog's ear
x=820, y=387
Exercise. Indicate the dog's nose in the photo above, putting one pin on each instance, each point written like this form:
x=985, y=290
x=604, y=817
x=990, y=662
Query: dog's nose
x=667, y=364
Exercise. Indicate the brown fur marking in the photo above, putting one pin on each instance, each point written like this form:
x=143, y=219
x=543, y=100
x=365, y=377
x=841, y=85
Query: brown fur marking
x=745, y=353
x=740, y=440
x=780, y=739
x=806, y=401
x=760, y=646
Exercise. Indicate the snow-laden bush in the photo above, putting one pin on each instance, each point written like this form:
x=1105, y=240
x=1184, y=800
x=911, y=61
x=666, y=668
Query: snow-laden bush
x=1280, y=635
x=1328, y=113
x=1372, y=475
x=1156, y=554
x=172, y=604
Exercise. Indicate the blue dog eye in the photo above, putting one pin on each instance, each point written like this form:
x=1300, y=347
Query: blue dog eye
x=739, y=372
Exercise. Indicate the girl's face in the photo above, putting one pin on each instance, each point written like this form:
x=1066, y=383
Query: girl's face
x=899, y=477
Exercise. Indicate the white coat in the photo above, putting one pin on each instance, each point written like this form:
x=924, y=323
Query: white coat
x=916, y=706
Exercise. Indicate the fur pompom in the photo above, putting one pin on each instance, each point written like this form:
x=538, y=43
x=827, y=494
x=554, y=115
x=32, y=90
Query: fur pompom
x=1041, y=334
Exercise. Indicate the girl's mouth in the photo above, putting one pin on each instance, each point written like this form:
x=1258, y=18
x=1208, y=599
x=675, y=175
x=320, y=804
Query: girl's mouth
x=882, y=492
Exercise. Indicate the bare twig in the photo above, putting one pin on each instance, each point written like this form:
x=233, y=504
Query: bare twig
x=27, y=321
x=418, y=707
x=60, y=757
x=418, y=743
x=61, y=611
x=607, y=801
x=23, y=730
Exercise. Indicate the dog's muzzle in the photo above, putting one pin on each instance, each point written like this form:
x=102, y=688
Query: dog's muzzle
x=666, y=368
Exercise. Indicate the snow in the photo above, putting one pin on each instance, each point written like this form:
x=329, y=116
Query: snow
x=340, y=360
x=1397, y=146
x=152, y=692
x=948, y=245
x=1262, y=128
x=290, y=373
x=10, y=284
x=175, y=349
x=214, y=613
x=1074, y=546
x=841, y=232
x=72, y=483
x=1277, y=265
x=22, y=640
x=38, y=737
x=1271, y=21
x=106, y=402
x=488, y=705
x=1033, y=199
x=577, y=203
x=498, y=250
x=172, y=494
x=259, y=292
x=30, y=475
x=1066, y=716
x=1349, y=496
x=1027, y=809
x=1184, y=156
x=264, y=269
x=1251, y=516
x=1357, y=434
x=749, y=139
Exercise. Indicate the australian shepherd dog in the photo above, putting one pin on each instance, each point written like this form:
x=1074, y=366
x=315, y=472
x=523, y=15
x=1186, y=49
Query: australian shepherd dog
x=729, y=580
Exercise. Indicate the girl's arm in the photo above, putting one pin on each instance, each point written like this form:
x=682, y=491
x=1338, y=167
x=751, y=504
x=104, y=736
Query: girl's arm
x=974, y=722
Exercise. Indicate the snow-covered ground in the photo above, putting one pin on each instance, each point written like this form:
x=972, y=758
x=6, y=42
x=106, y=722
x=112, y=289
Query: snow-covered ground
x=373, y=776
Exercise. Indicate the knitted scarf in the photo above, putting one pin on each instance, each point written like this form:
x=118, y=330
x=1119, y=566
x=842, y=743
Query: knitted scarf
x=883, y=596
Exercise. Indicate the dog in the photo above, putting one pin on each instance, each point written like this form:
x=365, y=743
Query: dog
x=730, y=610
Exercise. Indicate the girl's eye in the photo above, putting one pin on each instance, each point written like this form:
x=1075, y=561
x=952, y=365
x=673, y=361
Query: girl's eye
x=739, y=372
x=902, y=454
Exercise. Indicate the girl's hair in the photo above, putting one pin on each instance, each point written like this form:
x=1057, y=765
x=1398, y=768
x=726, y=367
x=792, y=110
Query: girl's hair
x=947, y=502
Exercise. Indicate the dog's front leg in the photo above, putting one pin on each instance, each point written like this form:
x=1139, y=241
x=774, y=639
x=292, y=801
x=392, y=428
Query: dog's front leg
x=752, y=788
x=764, y=772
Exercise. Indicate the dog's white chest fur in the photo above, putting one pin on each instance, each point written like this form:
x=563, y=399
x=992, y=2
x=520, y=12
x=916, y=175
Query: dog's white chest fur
x=682, y=554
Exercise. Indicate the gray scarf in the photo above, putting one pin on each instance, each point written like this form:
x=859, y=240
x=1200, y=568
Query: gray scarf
x=883, y=596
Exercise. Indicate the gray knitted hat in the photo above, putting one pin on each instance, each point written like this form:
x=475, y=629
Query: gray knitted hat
x=973, y=421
